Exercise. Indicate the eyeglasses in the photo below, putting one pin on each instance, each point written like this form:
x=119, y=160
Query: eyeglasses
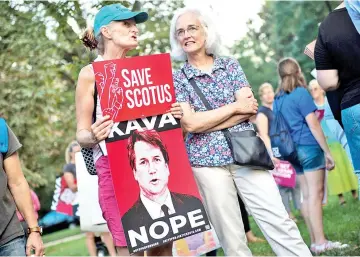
x=191, y=30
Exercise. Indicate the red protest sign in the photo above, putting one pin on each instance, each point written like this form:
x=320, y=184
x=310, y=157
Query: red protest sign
x=153, y=182
x=136, y=87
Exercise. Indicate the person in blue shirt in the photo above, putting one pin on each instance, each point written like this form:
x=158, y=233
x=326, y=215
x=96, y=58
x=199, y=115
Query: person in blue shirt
x=298, y=109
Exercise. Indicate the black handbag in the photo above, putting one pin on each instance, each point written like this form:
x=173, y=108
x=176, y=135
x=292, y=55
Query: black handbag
x=87, y=154
x=246, y=147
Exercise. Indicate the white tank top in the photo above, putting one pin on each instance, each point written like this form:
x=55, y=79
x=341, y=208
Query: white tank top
x=97, y=150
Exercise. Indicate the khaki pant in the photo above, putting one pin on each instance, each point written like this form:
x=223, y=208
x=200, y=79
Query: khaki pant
x=219, y=187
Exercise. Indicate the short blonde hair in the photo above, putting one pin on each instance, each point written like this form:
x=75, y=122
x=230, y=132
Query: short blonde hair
x=69, y=150
x=213, y=41
x=263, y=86
x=314, y=82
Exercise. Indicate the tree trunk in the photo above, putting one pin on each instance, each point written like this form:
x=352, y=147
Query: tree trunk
x=136, y=6
x=328, y=6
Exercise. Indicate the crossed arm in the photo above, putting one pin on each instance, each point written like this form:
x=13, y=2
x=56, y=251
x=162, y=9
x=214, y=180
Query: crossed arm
x=226, y=116
x=262, y=123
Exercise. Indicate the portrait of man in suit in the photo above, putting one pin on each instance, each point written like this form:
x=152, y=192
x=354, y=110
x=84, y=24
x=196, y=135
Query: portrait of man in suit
x=149, y=160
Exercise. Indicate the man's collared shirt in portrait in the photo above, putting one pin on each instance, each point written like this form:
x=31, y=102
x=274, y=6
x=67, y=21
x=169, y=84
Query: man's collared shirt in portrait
x=154, y=208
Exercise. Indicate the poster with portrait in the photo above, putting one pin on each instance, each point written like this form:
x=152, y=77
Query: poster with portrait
x=154, y=185
x=135, y=87
x=155, y=189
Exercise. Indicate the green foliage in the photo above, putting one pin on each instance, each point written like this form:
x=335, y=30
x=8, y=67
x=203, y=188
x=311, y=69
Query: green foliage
x=155, y=38
x=287, y=27
x=40, y=58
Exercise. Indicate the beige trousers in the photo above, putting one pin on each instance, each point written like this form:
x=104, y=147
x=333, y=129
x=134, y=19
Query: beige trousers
x=219, y=187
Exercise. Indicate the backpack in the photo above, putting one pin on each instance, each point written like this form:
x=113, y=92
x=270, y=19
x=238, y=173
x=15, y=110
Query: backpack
x=4, y=137
x=282, y=144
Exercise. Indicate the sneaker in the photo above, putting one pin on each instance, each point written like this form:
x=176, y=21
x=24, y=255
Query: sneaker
x=329, y=245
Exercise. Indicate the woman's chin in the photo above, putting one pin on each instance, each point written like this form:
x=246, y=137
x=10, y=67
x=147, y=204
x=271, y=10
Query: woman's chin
x=190, y=50
x=133, y=46
x=130, y=46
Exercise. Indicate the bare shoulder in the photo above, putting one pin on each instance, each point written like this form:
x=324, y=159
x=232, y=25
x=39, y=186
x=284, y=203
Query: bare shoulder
x=261, y=116
x=86, y=78
x=87, y=74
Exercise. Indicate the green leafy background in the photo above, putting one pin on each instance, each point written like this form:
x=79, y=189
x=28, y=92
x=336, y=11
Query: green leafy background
x=41, y=55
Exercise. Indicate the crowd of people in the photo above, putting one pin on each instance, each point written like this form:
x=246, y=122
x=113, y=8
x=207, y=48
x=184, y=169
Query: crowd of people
x=321, y=118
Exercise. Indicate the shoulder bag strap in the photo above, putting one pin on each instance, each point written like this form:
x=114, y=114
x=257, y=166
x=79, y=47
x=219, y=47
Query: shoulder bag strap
x=95, y=103
x=95, y=106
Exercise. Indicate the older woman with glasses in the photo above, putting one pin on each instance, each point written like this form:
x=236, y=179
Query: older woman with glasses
x=223, y=83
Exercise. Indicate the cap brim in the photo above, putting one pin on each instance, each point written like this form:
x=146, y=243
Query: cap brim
x=139, y=17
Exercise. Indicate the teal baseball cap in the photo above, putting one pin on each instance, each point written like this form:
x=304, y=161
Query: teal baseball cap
x=116, y=12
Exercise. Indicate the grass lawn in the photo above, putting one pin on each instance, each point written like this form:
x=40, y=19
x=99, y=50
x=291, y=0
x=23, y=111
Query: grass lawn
x=73, y=248
x=341, y=223
x=61, y=234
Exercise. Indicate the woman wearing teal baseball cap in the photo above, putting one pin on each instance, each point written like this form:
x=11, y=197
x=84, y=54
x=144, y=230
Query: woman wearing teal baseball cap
x=115, y=32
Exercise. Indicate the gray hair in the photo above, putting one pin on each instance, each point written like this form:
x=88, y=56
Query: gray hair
x=212, y=43
x=94, y=42
x=100, y=44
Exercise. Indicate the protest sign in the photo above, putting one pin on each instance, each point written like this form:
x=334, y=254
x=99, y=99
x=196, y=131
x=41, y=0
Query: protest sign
x=154, y=186
x=153, y=182
x=135, y=87
x=284, y=174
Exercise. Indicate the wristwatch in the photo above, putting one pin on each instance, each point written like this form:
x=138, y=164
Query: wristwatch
x=35, y=229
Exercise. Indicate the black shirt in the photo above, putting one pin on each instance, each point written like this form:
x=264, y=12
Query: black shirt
x=268, y=113
x=338, y=47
